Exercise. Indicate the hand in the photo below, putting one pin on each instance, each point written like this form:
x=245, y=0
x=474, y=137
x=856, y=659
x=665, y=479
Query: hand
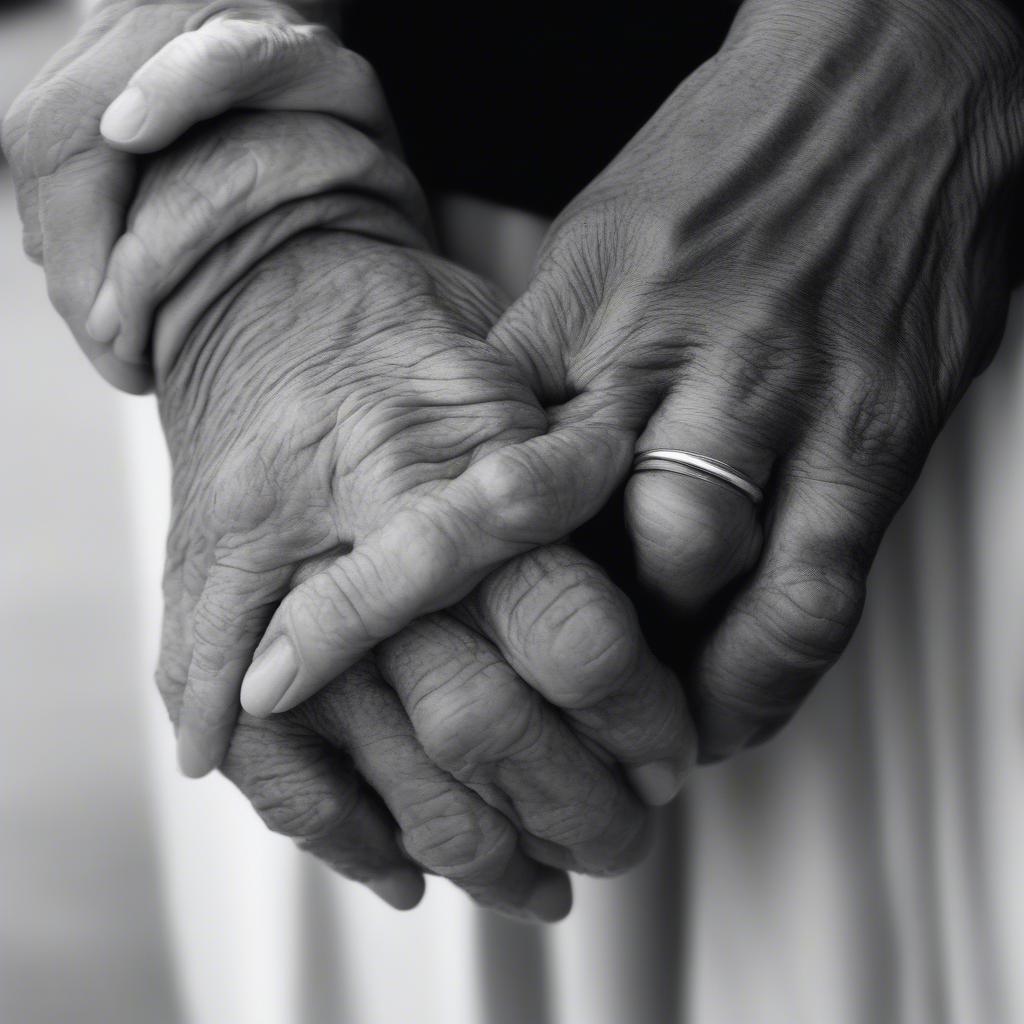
x=618, y=700
x=311, y=171
x=292, y=428
x=168, y=66
x=796, y=268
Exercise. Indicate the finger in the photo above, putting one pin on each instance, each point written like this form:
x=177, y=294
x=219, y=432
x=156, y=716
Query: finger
x=258, y=64
x=72, y=188
x=574, y=637
x=432, y=553
x=297, y=782
x=56, y=118
x=792, y=619
x=237, y=602
x=478, y=721
x=218, y=182
x=693, y=534
x=303, y=789
x=445, y=827
x=82, y=205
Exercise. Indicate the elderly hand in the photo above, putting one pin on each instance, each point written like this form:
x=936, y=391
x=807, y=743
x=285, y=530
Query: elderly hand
x=796, y=267
x=143, y=73
x=572, y=639
x=339, y=381
x=532, y=492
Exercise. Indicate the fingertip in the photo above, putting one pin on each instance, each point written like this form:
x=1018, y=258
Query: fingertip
x=104, y=319
x=657, y=783
x=402, y=888
x=194, y=761
x=269, y=684
x=123, y=119
x=551, y=898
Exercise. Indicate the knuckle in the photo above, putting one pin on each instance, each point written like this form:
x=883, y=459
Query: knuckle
x=517, y=494
x=591, y=646
x=462, y=839
x=878, y=414
x=294, y=804
x=478, y=719
x=810, y=615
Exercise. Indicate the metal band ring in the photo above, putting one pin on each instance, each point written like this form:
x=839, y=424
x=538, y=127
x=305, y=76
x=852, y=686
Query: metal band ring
x=692, y=464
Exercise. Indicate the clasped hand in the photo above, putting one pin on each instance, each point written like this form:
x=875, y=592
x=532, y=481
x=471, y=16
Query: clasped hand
x=377, y=463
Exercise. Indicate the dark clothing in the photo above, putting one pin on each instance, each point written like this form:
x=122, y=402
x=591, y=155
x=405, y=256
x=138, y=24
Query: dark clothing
x=525, y=103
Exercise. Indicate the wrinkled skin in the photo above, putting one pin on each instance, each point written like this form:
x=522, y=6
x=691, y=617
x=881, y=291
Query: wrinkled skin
x=570, y=639
x=340, y=379
x=797, y=267
x=74, y=189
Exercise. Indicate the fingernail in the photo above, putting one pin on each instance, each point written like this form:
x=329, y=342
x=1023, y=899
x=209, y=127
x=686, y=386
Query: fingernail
x=551, y=899
x=402, y=888
x=269, y=678
x=657, y=783
x=104, y=320
x=123, y=118
x=192, y=760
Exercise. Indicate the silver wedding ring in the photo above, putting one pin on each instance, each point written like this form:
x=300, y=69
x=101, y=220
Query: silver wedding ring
x=700, y=466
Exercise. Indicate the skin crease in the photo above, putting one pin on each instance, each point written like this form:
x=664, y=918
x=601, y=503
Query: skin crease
x=856, y=288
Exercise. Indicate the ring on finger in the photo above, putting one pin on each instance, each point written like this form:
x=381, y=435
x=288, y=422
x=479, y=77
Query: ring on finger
x=692, y=464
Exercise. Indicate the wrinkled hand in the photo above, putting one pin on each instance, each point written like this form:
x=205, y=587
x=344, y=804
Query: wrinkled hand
x=796, y=268
x=487, y=723
x=144, y=74
x=341, y=380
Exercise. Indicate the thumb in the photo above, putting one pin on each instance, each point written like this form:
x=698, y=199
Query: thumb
x=230, y=62
x=432, y=553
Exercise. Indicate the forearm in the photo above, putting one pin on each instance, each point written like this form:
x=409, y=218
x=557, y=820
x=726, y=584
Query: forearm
x=807, y=98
